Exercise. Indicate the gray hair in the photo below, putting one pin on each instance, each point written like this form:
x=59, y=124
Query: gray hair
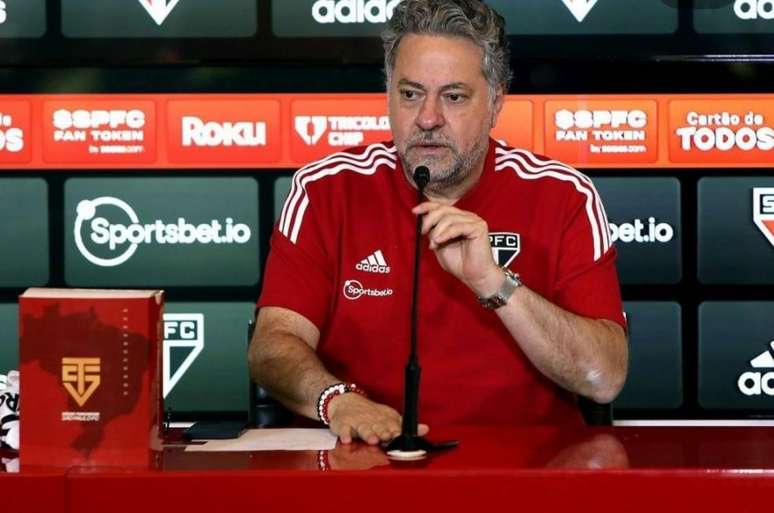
x=471, y=19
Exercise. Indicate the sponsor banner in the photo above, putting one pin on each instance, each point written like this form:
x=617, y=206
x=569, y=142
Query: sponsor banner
x=644, y=216
x=159, y=18
x=22, y=18
x=736, y=230
x=594, y=131
x=24, y=259
x=734, y=16
x=15, y=132
x=224, y=131
x=321, y=127
x=514, y=125
x=151, y=232
x=736, y=355
x=286, y=131
x=655, y=378
x=538, y=17
x=330, y=18
x=99, y=131
x=204, y=368
x=732, y=131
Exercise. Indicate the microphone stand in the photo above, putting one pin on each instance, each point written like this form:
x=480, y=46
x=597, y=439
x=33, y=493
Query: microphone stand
x=409, y=445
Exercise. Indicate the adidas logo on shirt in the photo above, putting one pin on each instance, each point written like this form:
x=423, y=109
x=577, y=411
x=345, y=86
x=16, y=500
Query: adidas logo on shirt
x=374, y=263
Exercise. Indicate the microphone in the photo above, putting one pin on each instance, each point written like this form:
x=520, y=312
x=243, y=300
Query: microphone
x=409, y=445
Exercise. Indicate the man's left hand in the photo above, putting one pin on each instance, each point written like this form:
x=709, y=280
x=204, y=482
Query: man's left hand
x=460, y=240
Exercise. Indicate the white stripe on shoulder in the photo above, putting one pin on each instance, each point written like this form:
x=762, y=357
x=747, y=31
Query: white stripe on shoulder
x=529, y=167
x=598, y=206
x=298, y=200
x=356, y=159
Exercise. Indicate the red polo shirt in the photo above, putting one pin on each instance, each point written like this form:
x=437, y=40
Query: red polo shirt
x=342, y=256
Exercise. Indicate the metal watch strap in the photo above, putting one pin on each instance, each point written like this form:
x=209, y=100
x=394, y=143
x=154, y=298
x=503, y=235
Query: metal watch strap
x=509, y=286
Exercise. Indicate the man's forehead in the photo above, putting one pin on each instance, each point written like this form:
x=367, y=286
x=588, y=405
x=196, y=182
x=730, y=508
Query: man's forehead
x=439, y=60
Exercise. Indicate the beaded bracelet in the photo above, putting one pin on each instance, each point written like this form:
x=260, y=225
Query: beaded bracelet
x=329, y=393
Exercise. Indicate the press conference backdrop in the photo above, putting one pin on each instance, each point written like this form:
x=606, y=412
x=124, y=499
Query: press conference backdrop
x=169, y=175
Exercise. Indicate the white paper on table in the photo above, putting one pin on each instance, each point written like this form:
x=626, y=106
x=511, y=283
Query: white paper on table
x=290, y=439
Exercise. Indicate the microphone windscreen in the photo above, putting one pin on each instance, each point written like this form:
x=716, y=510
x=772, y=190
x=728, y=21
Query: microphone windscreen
x=421, y=176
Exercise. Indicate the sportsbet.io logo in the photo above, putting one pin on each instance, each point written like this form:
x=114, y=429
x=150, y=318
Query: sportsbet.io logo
x=120, y=238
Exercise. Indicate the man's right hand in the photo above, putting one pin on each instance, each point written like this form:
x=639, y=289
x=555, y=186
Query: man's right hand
x=354, y=416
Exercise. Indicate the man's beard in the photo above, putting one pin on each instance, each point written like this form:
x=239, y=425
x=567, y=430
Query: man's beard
x=448, y=171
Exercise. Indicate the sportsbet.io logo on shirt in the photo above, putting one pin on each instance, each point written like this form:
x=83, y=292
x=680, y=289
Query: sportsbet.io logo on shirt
x=108, y=232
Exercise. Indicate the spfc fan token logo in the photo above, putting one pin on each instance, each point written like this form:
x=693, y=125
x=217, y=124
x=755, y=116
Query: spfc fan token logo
x=505, y=247
x=763, y=211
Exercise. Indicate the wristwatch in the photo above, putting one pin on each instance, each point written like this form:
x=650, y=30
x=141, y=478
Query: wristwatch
x=509, y=286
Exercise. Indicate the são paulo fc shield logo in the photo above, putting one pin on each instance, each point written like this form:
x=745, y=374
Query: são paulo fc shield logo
x=505, y=247
x=763, y=211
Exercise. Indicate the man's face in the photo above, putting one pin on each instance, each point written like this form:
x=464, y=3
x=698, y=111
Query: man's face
x=440, y=108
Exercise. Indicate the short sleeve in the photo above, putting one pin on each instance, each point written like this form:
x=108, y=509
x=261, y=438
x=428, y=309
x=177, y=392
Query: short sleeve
x=587, y=279
x=298, y=274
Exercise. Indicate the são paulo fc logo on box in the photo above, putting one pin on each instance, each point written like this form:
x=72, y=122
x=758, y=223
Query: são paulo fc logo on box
x=15, y=137
x=95, y=131
x=226, y=131
x=108, y=231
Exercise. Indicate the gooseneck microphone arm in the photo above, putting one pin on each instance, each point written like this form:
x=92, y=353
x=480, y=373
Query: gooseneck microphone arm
x=409, y=442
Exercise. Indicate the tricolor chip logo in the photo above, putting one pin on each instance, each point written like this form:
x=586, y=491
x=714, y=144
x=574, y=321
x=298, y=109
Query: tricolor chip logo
x=763, y=211
x=752, y=383
x=343, y=131
x=322, y=127
x=181, y=331
x=311, y=128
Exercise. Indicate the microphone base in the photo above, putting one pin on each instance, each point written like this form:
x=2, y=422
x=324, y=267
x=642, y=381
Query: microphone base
x=411, y=447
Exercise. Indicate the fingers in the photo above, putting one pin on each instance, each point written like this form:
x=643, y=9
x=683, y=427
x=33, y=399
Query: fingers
x=423, y=429
x=451, y=230
x=443, y=223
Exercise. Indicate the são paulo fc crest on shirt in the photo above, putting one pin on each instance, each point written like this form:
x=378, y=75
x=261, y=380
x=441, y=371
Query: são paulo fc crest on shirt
x=505, y=247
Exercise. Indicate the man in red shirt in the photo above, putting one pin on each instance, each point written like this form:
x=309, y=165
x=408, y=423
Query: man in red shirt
x=523, y=235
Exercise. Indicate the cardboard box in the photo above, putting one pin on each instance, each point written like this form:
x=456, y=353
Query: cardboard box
x=90, y=366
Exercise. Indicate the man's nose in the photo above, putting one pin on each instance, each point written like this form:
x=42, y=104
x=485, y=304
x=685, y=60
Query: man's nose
x=430, y=115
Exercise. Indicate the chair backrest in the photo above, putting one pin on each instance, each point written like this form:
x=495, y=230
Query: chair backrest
x=263, y=410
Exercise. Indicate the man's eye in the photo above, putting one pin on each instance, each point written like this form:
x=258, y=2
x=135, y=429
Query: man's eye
x=408, y=95
x=455, y=97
